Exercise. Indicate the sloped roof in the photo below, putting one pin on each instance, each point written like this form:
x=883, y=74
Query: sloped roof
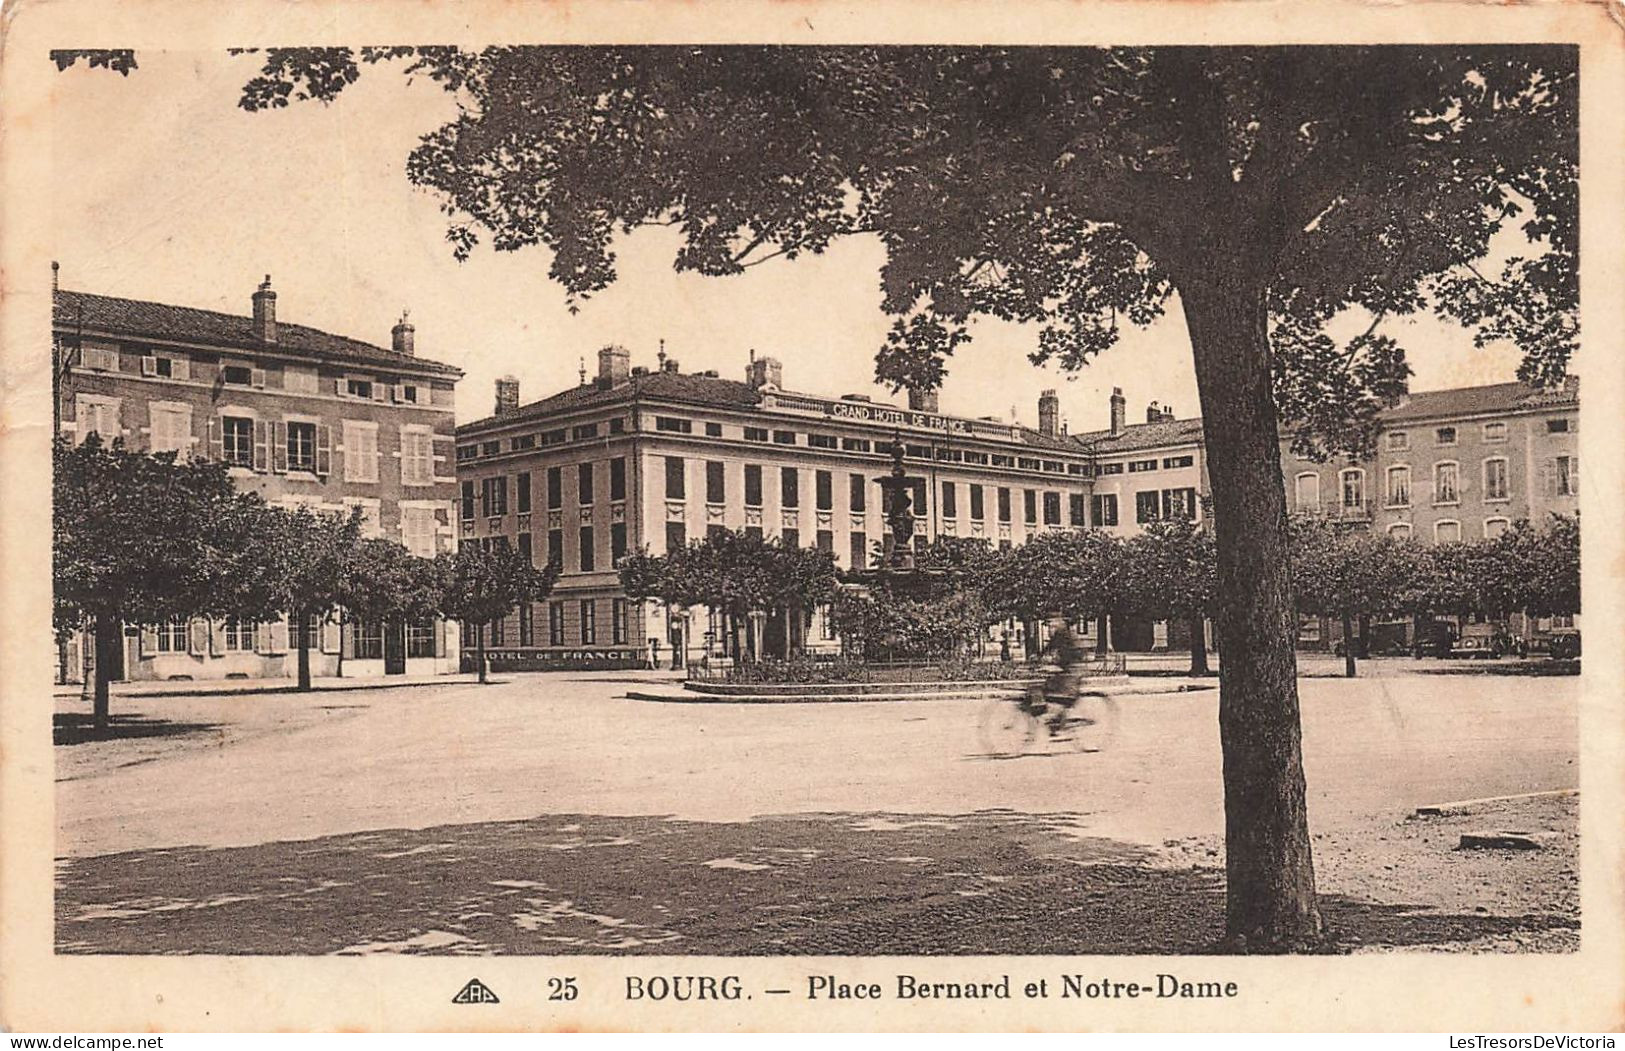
x=685, y=388
x=1470, y=401
x=140, y=318
x=1138, y=436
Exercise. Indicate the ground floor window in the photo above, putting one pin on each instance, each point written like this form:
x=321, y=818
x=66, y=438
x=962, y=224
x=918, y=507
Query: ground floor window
x=172, y=636
x=619, y=627
x=527, y=625
x=369, y=640
x=499, y=634
x=589, y=622
x=555, y=623
x=420, y=639
x=240, y=635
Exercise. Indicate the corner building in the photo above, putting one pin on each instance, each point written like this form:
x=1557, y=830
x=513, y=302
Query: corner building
x=640, y=457
x=302, y=417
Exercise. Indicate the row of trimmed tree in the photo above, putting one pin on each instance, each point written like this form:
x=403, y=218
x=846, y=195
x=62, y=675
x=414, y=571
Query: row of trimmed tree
x=146, y=539
x=1166, y=572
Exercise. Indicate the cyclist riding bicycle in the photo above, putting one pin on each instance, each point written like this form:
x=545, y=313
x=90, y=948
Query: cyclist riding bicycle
x=1059, y=693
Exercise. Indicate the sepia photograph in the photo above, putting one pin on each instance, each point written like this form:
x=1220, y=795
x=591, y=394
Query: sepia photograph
x=828, y=498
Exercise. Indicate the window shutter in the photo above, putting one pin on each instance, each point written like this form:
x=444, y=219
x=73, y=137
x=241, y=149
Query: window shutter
x=180, y=369
x=197, y=637
x=1548, y=477
x=149, y=641
x=400, y=393
x=329, y=641
x=339, y=387
x=149, y=366
x=274, y=636
x=257, y=377
x=378, y=391
x=217, y=638
x=347, y=641
x=324, y=451
x=217, y=443
x=441, y=628
x=279, y=447
x=1574, y=474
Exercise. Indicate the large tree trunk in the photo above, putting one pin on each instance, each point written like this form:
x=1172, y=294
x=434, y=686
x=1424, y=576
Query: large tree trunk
x=109, y=636
x=1270, y=898
x=479, y=648
x=1103, y=636
x=1198, y=645
x=1348, y=645
x=302, y=634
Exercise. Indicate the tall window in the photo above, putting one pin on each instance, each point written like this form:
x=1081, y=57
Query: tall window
x=1399, y=486
x=1029, y=506
x=368, y=641
x=791, y=537
x=617, y=478
x=618, y=609
x=237, y=437
x=301, y=446
x=1446, y=487
x=1075, y=509
x=584, y=484
x=1179, y=504
x=753, y=485
x=586, y=549
x=521, y=492
x=494, y=491
x=360, y=451
x=240, y=635
x=1354, y=489
x=858, y=550
x=617, y=542
x=468, y=499
x=1103, y=509
x=976, y=503
x=417, y=530
x=676, y=484
x=171, y=428
x=555, y=623
x=1147, y=506
x=823, y=490
x=1052, y=508
x=789, y=487
x=858, y=497
x=555, y=548
x=417, y=457
x=1563, y=476
x=1306, y=491
x=555, y=488
x=1495, y=478
x=526, y=551
x=825, y=541
x=676, y=535
x=950, y=500
x=1004, y=504
x=716, y=487
x=589, y=622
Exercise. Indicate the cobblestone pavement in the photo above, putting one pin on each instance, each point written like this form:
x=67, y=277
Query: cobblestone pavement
x=548, y=816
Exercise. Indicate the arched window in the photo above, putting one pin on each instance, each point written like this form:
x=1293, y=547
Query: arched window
x=1494, y=527
x=1399, y=485
x=1353, y=479
x=1447, y=482
x=1496, y=486
x=1400, y=530
x=1446, y=531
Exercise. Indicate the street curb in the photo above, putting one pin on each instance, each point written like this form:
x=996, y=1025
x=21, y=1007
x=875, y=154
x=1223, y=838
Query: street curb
x=1466, y=806
x=261, y=691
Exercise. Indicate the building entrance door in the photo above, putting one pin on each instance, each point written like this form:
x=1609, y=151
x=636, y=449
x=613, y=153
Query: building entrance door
x=395, y=647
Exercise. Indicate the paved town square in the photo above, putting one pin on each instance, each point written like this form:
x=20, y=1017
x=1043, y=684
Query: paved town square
x=552, y=815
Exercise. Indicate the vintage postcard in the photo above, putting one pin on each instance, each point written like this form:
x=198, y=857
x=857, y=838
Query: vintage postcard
x=1051, y=515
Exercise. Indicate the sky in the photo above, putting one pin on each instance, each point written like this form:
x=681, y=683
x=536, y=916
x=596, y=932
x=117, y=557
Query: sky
x=166, y=190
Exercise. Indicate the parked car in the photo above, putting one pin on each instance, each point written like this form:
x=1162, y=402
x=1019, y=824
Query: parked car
x=1482, y=640
x=1565, y=644
x=1433, y=639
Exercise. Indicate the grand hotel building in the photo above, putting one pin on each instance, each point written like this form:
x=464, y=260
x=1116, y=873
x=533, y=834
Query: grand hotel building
x=638, y=457
x=641, y=457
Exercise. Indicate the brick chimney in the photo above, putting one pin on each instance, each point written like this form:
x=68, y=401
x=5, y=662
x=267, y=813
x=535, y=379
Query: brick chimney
x=265, y=312
x=1153, y=413
x=764, y=372
x=614, y=365
x=402, y=337
x=922, y=400
x=1049, y=414
x=507, y=395
x=1119, y=411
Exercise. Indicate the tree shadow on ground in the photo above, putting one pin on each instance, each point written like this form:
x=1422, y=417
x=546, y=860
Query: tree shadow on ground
x=1530, y=668
x=70, y=728
x=990, y=882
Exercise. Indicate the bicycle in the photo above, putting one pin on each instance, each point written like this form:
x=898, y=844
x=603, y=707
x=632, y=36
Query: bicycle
x=1010, y=725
